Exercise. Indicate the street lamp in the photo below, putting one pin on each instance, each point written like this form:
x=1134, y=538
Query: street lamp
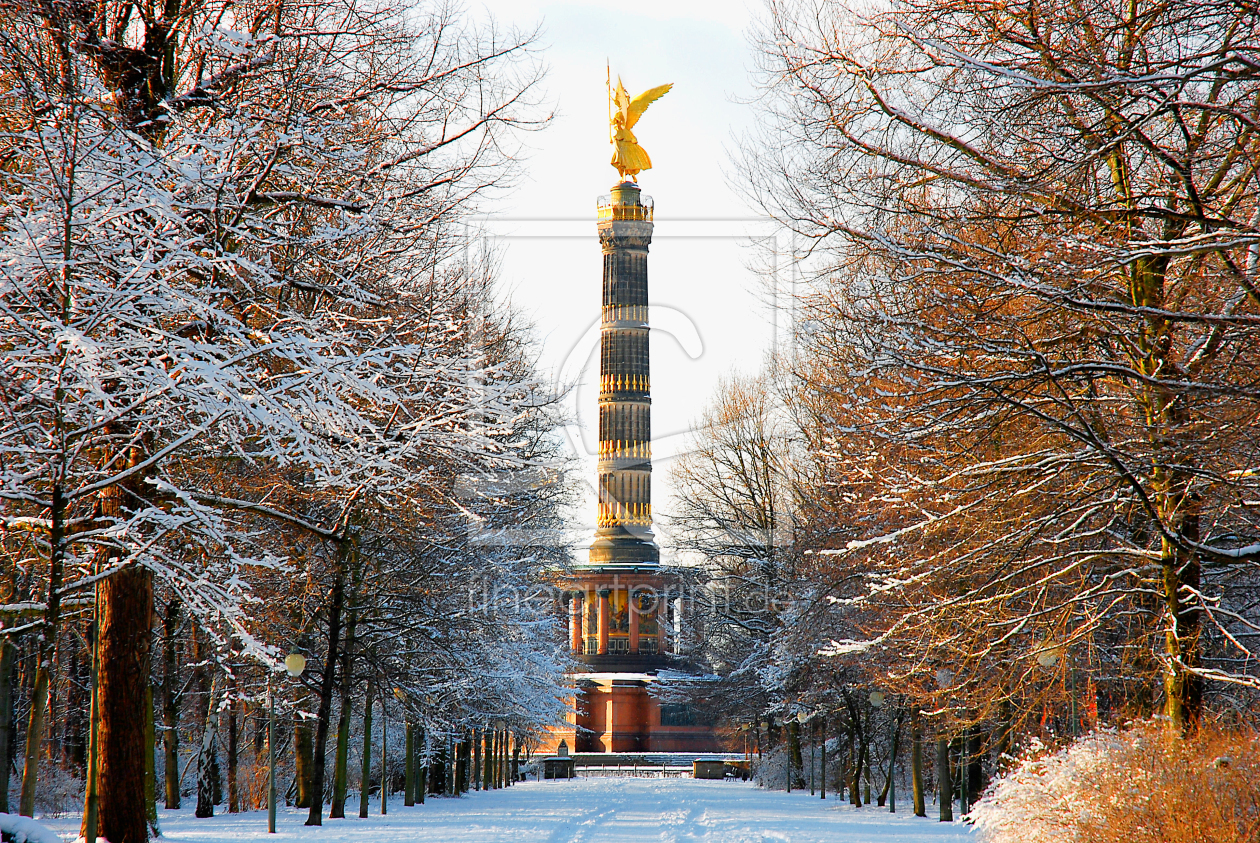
x=877, y=699
x=294, y=664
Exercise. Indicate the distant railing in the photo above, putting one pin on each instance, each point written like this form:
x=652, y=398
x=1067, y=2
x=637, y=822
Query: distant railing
x=644, y=772
x=607, y=210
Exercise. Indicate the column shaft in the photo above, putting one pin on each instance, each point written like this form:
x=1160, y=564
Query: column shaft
x=575, y=623
x=632, y=606
x=603, y=621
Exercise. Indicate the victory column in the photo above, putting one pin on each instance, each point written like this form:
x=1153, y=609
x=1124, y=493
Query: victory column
x=619, y=615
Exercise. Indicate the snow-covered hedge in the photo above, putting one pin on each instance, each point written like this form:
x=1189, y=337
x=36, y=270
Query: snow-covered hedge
x=25, y=830
x=1141, y=785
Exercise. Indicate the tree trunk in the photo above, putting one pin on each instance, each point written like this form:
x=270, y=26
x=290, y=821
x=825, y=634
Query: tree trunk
x=461, y=768
x=892, y=761
x=233, y=714
x=326, y=689
x=303, y=763
x=452, y=764
x=366, y=774
x=796, y=763
x=125, y=611
x=384, y=758
x=822, y=760
x=47, y=645
x=944, y=781
x=859, y=767
x=170, y=702
x=409, y=765
x=851, y=768
x=516, y=759
x=1182, y=574
x=487, y=755
x=975, y=767
x=422, y=772
x=150, y=763
x=206, y=761
x=916, y=762
x=8, y=655
x=341, y=771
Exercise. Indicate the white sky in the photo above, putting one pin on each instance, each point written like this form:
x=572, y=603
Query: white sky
x=711, y=315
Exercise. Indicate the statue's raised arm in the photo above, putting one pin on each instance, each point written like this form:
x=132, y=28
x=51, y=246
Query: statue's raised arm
x=628, y=157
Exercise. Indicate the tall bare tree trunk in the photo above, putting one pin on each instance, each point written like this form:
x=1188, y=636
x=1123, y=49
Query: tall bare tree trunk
x=516, y=760
x=150, y=763
x=8, y=655
x=916, y=762
x=126, y=621
x=1182, y=575
x=335, y=606
x=422, y=773
x=342, y=759
x=233, y=714
x=409, y=765
x=944, y=780
x=47, y=645
x=366, y=775
x=796, y=762
x=207, y=763
x=303, y=763
x=487, y=755
x=892, y=760
x=170, y=701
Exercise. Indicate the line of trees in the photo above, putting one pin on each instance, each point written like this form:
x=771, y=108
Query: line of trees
x=1008, y=471
x=249, y=368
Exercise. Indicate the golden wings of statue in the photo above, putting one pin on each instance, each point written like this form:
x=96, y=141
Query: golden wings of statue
x=628, y=157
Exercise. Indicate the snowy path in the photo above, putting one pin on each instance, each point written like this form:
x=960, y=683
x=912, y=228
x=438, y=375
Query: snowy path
x=585, y=811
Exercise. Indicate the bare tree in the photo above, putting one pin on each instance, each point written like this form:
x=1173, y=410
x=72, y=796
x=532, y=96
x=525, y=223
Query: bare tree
x=1038, y=230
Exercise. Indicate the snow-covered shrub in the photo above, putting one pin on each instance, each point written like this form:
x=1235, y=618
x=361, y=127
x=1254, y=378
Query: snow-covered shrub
x=57, y=793
x=770, y=770
x=25, y=830
x=1141, y=785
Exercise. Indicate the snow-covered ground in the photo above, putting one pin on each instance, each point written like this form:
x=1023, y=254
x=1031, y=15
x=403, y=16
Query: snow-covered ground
x=586, y=810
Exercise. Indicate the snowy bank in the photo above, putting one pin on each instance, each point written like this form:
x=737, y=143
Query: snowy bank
x=26, y=830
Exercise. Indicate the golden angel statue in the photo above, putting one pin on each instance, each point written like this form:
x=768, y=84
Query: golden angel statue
x=628, y=157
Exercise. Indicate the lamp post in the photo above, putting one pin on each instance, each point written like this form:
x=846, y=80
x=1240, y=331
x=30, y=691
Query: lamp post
x=294, y=664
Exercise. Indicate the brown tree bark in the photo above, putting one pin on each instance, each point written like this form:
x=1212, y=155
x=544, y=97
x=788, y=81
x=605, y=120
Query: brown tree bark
x=303, y=763
x=207, y=763
x=916, y=762
x=125, y=613
x=8, y=655
x=46, y=649
x=335, y=606
x=233, y=714
x=170, y=701
x=341, y=773
x=150, y=763
x=487, y=756
x=796, y=760
x=366, y=774
x=944, y=781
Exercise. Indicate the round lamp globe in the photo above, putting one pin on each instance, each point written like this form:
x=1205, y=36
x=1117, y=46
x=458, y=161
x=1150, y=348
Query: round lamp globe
x=295, y=663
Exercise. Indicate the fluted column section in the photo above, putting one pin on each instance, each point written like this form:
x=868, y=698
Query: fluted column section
x=624, y=520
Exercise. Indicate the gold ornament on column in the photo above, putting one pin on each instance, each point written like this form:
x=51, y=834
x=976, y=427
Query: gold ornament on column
x=628, y=157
